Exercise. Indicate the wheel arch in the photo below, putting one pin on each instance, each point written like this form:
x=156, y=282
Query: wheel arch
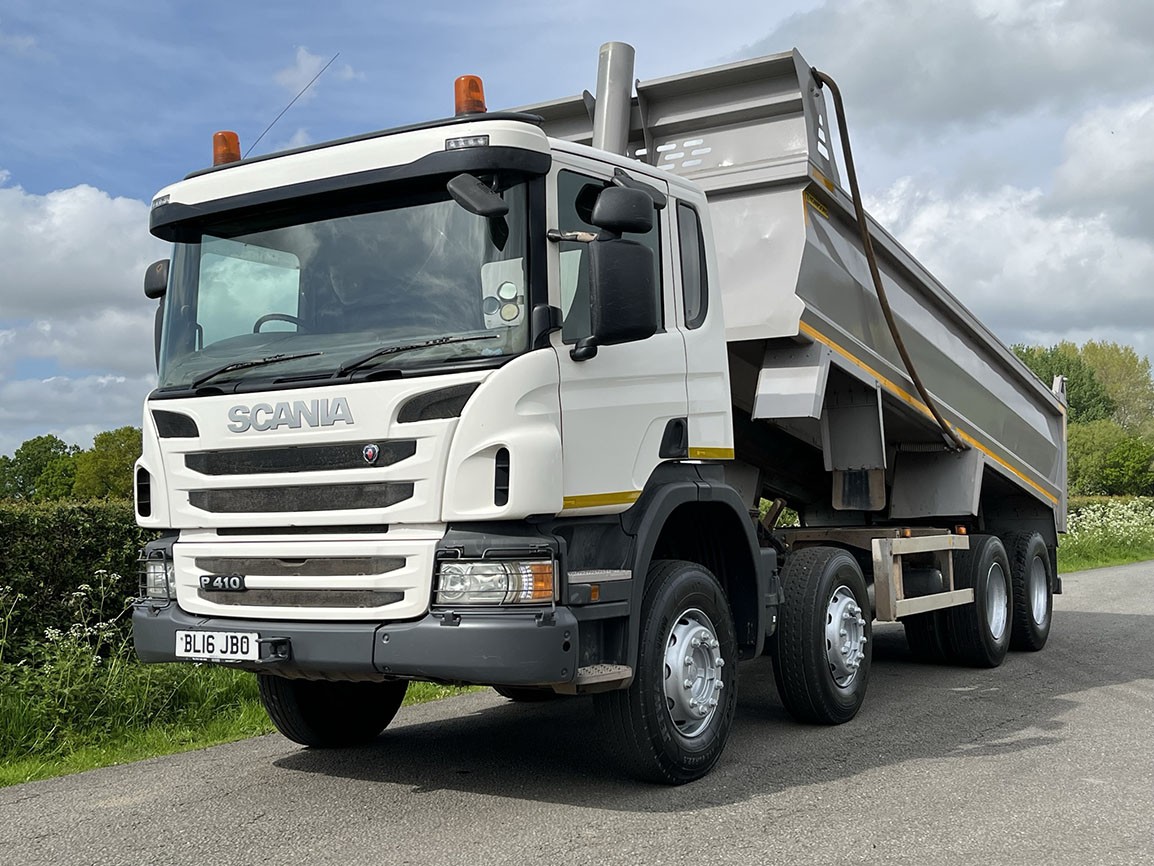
x=704, y=521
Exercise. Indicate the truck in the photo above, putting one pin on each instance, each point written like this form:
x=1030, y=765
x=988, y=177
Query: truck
x=518, y=399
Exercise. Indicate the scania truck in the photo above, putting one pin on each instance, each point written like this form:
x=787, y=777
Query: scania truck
x=502, y=399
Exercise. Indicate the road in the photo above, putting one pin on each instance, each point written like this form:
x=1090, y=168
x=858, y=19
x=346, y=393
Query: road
x=1047, y=759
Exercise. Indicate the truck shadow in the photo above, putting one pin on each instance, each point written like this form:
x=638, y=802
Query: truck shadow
x=550, y=752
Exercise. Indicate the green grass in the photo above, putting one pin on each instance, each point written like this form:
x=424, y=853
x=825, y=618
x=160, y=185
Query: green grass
x=240, y=717
x=1105, y=531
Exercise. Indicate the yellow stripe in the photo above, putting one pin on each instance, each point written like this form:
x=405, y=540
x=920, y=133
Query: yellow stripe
x=825, y=181
x=597, y=500
x=909, y=398
x=711, y=453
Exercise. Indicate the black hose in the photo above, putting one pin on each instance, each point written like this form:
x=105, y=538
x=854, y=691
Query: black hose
x=868, y=247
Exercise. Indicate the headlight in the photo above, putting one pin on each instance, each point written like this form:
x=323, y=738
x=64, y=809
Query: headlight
x=159, y=579
x=495, y=582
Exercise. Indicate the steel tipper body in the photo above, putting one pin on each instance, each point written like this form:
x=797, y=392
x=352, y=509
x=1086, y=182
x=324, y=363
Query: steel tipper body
x=476, y=401
x=798, y=297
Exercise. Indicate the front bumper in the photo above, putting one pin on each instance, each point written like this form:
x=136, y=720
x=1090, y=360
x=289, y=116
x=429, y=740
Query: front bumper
x=515, y=648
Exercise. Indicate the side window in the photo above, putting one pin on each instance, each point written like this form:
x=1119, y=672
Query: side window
x=694, y=282
x=576, y=194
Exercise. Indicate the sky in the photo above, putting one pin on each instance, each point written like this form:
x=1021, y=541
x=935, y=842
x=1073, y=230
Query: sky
x=1006, y=143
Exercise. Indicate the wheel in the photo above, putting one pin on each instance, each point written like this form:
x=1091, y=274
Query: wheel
x=276, y=317
x=926, y=636
x=1031, y=576
x=979, y=633
x=822, y=652
x=525, y=694
x=671, y=725
x=330, y=714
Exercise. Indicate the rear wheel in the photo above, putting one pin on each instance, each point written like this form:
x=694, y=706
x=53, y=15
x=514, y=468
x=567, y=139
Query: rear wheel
x=671, y=725
x=822, y=649
x=1032, y=577
x=926, y=636
x=979, y=633
x=327, y=714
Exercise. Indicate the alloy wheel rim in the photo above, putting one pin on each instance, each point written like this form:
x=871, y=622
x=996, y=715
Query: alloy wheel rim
x=1038, y=590
x=997, y=601
x=845, y=636
x=692, y=673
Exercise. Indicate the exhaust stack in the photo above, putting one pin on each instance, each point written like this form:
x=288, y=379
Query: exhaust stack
x=614, y=97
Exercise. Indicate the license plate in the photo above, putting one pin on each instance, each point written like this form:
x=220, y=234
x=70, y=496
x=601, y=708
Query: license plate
x=223, y=646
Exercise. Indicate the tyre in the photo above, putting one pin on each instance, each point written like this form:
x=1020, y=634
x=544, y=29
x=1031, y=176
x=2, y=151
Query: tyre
x=1032, y=578
x=525, y=694
x=326, y=714
x=926, y=636
x=671, y=725
x=822, y=651
x=979, y=633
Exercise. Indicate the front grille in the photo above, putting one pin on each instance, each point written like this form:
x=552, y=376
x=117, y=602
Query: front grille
x=320, y=497
x=320, y=566
x=300, y=458
x=304, y=597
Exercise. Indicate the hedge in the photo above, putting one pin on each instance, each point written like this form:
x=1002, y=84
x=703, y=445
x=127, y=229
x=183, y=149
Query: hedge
x=49, y=549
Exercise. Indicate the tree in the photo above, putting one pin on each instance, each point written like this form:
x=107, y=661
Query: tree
x=1126, y=378
x=20, y=473
x=56, y=481
x=1106, y=460
x=1089, y=400
x=105, y=470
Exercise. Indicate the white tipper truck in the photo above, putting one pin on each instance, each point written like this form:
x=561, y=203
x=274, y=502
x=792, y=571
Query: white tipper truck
x=495, y=399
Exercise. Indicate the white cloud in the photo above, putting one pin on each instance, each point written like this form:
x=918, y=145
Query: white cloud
x=937, y=65
x=1109, y=166
x=15, y=43
x=71, y=300
x=70, y=252
x=1029, y=274
x=305, y=68
x=75, y=409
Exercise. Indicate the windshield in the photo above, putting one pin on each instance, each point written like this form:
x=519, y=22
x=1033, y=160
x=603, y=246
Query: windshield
x=267, y=299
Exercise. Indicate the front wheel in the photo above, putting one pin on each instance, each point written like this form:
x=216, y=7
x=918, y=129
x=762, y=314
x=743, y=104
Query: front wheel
x=327, y=714
x=822, y=650
x=671, y=725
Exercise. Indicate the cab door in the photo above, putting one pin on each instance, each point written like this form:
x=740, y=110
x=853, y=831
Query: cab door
x=618, y=407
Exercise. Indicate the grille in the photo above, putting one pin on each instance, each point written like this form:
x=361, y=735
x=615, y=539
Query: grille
x=299, y=458
x=320, y=497
x=304, y=597
x=321, y=566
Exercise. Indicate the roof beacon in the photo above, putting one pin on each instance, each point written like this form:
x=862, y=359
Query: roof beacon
x=470, y=95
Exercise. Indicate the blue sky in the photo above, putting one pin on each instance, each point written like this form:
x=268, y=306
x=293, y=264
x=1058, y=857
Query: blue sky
x=1005, y=142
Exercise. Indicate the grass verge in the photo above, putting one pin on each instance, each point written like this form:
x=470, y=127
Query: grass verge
x=242, y=718
x=1104, y=531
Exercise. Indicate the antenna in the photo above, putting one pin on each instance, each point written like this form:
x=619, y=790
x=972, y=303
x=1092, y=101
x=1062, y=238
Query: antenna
x=290, y=105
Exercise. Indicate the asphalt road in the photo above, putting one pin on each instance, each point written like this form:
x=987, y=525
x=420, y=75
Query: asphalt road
x=1048, y=759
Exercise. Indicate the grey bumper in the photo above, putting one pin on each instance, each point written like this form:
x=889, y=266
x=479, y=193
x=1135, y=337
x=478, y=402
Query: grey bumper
x=490, y=648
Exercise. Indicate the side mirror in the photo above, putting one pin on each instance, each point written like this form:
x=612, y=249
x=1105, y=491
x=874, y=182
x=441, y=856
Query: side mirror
x=623, y=303
x=621, y=210
x=156, y=280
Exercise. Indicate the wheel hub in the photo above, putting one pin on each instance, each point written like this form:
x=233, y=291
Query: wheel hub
x=1039, y=590
x=845, y=636
x=997, y=601
x=693, y=666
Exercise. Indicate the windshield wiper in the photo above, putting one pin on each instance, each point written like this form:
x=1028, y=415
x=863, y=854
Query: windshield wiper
x=357, y=363
x=241, y=365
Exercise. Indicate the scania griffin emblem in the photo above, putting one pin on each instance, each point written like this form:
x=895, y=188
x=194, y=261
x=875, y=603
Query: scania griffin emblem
x=371, y=453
